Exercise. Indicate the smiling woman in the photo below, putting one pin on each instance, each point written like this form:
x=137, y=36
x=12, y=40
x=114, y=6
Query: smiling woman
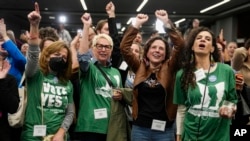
x=101, y=115
x=153, y=109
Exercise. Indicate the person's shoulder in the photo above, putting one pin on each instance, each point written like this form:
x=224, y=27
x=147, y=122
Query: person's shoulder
x=179, y=73
x=240, y=50
x=224, y=66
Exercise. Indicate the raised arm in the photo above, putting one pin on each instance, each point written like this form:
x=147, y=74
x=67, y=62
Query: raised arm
x=73, y=48
x=127, y=41
x=84, y=43
x=176, y=38
x=113, y=33
x=13, y=51
x=34, y=18
x=84, y=54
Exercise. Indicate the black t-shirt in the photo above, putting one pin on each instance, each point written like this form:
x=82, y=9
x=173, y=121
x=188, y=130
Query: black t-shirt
x=151, y=102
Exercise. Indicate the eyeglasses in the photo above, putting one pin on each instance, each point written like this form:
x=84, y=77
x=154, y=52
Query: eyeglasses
x=101, y=46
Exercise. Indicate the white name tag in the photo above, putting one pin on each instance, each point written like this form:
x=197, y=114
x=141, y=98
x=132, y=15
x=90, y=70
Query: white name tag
x=158, y=125
x=39, y=130
x=199, y=74
x=123, y=66
x=100, y=113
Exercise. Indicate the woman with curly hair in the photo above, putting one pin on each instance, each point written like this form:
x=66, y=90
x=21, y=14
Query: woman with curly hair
x=200, y=89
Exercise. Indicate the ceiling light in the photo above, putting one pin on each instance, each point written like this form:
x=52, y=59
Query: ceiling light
x=62, y=19
x=141, y=5
x=179, y=21
x=131, y=20
x=84, y=4
x=214, y=6
x=52, y=17
x=123, y=28
x=118, y=25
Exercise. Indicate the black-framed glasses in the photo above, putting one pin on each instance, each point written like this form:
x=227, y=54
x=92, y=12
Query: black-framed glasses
x=101, y=46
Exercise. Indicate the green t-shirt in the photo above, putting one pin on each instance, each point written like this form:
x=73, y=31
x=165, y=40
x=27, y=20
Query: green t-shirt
x=55, y=98
x=220, y=86
x=95, y=93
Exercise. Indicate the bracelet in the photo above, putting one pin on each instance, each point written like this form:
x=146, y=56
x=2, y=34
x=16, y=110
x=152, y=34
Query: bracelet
x=33, y=37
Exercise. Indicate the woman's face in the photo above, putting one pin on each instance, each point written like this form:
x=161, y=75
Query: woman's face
x=135, y=49
x=203, y=44
x=138, y=38
x=156, y=52
x=61, y=53
x=231, y=47
x=91, y=34
x=24, y=48
x=105, y=29
x=102, y=50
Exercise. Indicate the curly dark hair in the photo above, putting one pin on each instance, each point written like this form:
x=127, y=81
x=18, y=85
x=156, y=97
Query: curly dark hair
x=48, y=32
x=189, y=62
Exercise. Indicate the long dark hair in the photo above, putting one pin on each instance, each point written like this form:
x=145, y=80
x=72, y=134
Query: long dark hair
x=189, y=62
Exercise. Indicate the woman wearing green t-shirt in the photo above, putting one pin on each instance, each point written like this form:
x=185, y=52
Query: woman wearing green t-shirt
x=201, y=88
x=50, y=107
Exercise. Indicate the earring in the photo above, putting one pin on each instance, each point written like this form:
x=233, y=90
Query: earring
x=211, y=59
x=192, y=58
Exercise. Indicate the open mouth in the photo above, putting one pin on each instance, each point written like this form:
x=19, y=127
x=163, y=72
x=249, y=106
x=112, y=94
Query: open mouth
x=202, y=45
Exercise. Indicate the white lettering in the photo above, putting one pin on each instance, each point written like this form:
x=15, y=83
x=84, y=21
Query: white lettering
x=58, y=102
x=51, y=100
x=240, y=132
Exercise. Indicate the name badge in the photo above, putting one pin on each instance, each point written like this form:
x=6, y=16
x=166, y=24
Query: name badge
x=100, y=113
x=158, y=125
x=39, y=130
x=199, y=74
x=123, y=66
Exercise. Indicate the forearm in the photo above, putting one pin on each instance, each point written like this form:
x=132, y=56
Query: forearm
x=32, y=60
x=15, y=53
x=75, y=63
x=84, y=43
x=69, y=117
x=180, y=119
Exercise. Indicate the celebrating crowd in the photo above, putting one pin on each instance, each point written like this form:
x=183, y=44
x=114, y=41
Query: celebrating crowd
x=179, y=87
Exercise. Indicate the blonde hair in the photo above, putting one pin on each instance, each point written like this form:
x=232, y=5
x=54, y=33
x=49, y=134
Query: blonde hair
x=105, y=36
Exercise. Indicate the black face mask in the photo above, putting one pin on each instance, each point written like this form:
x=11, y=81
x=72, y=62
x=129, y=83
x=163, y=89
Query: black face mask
x=57, y=64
